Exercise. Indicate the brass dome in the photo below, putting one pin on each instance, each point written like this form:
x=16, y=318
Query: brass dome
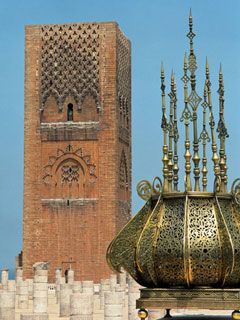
x=181, y=239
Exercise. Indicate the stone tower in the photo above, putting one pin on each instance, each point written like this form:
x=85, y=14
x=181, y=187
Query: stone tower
x=77, y=153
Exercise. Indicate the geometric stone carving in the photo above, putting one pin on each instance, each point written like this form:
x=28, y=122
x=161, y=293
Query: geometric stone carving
x=69, y=162
x=123, y=172
x=69, y=63
x=123, y=86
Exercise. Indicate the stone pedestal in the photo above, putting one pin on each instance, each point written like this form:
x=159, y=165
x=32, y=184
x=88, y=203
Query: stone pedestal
x=122, y=293
x=113, y=307
x=133, y=295
x=81, y=306
x=65, y=292
x=7, y=305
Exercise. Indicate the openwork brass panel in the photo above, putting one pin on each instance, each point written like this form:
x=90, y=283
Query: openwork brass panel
x=169, y=245
x=122, y=250
x=204, y=247
x=146, y=246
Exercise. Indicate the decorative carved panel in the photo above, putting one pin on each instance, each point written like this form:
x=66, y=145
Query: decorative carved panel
x=123, y=86
x=70, y=63
x=67, y=166
x=123, y=172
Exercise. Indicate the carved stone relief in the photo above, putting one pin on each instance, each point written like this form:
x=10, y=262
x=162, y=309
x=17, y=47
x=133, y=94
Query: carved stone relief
x=70, y=63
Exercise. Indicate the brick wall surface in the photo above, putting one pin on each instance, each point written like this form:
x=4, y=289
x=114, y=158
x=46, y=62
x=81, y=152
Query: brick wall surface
x=77, y=170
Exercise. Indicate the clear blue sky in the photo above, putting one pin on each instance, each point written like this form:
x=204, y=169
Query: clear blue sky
x=157, y=30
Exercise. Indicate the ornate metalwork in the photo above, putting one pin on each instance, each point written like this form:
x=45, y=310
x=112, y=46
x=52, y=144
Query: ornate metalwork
x=175, y=139
x=146, y=190
x=223, y=134
x=235, y=190
x=212, y=122
x=165, y=128
x=194, y=101
x=204, y=137
x=171, y=135
x=189, y=239
x=186, y=117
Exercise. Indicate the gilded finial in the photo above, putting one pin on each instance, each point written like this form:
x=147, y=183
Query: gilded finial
x=171, y=135
x=204, y=137
x=194, y=101
x=222, y=135
x=164, y=127
x=176, y=137
x=211, y=122
x=186, y=117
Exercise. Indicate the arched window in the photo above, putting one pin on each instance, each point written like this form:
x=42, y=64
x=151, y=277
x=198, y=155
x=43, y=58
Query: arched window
x=70, y=112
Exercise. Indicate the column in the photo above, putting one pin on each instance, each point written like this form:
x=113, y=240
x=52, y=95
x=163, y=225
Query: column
x=81, y=306
x=23, y=295
x=133, y=295
x=40, y=288
x=113, y=307
x=4, y=278
x=70, y=276
x=104, y=287
x=65, y=292
x=113, y=281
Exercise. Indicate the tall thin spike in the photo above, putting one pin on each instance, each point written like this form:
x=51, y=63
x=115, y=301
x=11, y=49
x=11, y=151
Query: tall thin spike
x=186, y=117
x=164, y=126
x=223, y=134
x=194, y=101
x=171, y=135
x=204, y=137
x=176, y=137
x=212, y=123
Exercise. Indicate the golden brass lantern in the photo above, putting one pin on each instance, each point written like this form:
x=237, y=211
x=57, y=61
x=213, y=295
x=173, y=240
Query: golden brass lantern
x=186, y=244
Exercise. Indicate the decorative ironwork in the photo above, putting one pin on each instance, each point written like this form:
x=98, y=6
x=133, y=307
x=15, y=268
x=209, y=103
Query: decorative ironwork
x=194, y=101
x=189, y=239
x=223, y=134
x=186, y=117
x=175, y=139
x=146, y=190
x=171, y=135
x=164, y=126
x=235, y=190
x=204, y=137
x=212, y=122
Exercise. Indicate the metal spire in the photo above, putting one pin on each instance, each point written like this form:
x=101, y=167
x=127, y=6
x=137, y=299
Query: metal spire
x=204, y=137
x=171, y=135
x=212, y=123
x=186, y=117
x=194, y=101
x=223, y=134
x=164, y=126
x=175, y=137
